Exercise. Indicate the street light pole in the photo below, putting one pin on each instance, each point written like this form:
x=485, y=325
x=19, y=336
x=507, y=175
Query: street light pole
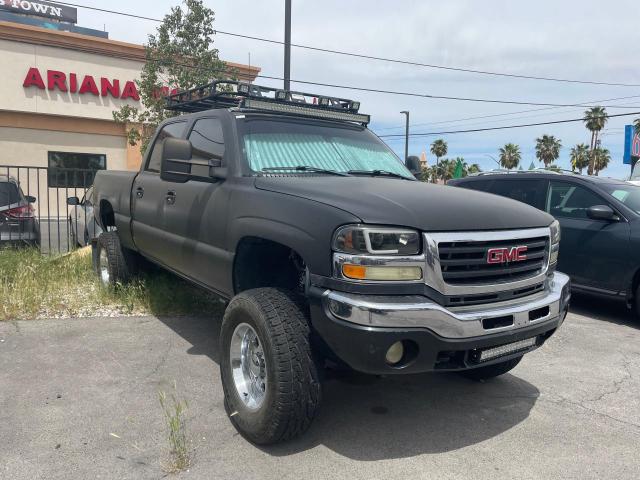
x=406, y=136
x=287, y=45
x=492, y=158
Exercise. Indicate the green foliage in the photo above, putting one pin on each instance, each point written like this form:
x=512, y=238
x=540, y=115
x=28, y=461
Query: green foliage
x=439, y=148
x=601, y=159
x=180, y=55
x=637, y=124
x=580, y=157
x=548, y=149
x=510, y=156
x=36, y=286
x=445, y=170
x=174, y=412
x=595, y=119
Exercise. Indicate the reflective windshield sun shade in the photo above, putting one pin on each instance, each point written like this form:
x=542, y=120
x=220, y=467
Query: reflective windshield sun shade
x=270, y=144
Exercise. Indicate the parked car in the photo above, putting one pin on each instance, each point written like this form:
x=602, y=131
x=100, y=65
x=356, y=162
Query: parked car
x=327, y=250
x=18, y=223
x=82, y=224
x=600, y=224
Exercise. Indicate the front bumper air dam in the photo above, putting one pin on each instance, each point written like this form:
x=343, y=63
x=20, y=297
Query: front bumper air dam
x=359, y=329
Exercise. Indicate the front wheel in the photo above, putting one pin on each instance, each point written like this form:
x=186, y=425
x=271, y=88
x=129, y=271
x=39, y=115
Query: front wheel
x=492, y=371
x=269, y=376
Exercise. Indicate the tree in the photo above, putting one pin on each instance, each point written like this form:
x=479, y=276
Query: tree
x=179, y=56
x=548, y=149
x=473, y=168
x=510, y=156
x=637, y=124
x=601, y=157
x=594, y=119
x=580, y=157
x=439, y=149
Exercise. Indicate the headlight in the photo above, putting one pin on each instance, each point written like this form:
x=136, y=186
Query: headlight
x=555, y=242
x=360, y=240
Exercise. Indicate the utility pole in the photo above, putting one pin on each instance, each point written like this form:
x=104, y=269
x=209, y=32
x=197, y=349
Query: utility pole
x=287, y=45
x=406, y=136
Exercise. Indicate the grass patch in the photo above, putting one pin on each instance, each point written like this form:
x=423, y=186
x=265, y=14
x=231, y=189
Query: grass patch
x=37, y=286
x=174, y=412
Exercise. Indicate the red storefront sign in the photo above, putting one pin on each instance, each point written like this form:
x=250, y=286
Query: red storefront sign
x=73, y=83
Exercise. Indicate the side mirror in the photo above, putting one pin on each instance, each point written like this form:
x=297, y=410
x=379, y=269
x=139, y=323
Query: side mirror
x=175, y=163
x=30, y=198
x=413, y=165
x=602, y=212
x=73, y=201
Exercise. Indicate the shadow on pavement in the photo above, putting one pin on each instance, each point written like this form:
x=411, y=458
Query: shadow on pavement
x=603, y=309
x=372, y=418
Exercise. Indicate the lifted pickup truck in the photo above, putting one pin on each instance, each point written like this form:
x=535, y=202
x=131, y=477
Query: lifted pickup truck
x=327, y=250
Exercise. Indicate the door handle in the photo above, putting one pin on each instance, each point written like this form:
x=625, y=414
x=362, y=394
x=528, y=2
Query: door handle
x=139, y=192
x=171, y=197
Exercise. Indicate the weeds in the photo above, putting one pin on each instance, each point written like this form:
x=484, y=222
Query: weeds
x=37, y=286
x=174, y=412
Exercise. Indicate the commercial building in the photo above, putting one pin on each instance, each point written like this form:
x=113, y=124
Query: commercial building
x=60, y=85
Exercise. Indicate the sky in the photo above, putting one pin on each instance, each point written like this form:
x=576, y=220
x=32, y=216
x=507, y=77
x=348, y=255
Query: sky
x=584, y=40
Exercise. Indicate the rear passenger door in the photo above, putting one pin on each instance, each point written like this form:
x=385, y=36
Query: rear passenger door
x=148, y=200
x=195, y=211
x=531, y=191
x=593, y=252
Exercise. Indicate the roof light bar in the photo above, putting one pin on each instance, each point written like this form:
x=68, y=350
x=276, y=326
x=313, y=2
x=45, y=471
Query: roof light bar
x=305, y=110
x=230, y=93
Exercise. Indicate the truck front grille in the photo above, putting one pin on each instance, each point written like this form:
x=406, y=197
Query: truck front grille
x=466, y=262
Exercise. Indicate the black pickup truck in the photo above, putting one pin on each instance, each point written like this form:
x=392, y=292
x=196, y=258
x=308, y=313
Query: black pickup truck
x=327, y=250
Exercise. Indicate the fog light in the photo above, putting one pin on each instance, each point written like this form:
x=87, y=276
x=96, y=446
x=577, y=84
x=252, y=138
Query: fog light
x=395, y=353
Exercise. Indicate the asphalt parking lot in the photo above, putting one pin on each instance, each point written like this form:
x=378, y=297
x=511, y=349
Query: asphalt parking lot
x=79, y=399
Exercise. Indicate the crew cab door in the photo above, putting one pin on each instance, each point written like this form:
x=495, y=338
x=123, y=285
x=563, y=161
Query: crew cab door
x=148, y=201
x=593, y=252
x=194, y=212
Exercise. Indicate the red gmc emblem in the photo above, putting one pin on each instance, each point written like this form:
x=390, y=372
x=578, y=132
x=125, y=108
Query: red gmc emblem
x=504, y=255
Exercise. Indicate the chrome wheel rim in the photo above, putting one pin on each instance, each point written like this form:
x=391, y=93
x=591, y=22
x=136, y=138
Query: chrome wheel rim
x=103, y=268
x=248, y=366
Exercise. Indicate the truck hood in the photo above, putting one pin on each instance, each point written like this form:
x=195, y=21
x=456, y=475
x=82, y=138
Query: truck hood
x=391, y=201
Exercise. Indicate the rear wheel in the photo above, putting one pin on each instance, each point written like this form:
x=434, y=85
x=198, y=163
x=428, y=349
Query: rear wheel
x=110, y=262
x=269, y=376
x=491, y=371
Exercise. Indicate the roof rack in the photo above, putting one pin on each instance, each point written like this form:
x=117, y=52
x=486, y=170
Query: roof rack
x=245, y=96
x=500, y=171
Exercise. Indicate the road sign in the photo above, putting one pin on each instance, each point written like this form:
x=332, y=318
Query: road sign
x=631, y=144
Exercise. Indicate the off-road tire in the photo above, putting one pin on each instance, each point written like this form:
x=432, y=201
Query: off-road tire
x=119, y=262
x=293, y=391
x=492, y=371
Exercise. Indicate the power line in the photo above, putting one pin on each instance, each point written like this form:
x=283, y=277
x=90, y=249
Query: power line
x=591, y=102
x=444, y=97
x=372, y=57
x=425, y=134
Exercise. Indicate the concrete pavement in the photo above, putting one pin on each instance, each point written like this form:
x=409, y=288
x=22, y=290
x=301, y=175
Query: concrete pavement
x=79, y=399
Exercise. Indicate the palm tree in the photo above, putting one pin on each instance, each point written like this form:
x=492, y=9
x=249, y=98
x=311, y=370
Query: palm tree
x=444, y=170
x=637, y=124
x=439, y=149
x=601, y=157
x=473, y=168
x=594, y=119
x=510, y=156
x=580, y=157
x=548, y=149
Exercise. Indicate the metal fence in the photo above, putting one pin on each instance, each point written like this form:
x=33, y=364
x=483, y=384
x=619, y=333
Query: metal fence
x=35, y=211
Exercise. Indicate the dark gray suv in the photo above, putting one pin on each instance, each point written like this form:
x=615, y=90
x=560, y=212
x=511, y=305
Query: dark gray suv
x=599, y=220
x=18, y=224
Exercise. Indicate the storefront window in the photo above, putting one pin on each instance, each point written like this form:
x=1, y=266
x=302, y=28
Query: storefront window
x=74, y=170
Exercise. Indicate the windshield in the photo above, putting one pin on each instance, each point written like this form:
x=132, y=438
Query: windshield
x=270, y=144
x=627, y=194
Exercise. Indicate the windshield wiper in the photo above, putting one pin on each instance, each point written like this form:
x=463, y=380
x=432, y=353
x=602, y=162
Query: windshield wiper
x=378, y=173
x=305, y=168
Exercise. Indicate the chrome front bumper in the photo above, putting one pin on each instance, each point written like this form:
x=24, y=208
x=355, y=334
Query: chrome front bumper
x=460, y=322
